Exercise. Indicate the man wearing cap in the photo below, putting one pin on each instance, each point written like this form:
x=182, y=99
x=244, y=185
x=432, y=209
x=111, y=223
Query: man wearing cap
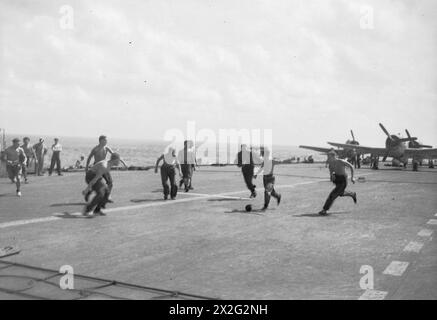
x=337, y=169
x=15, y=159
x=30, y=154
x=94, y=179
x=56, y=157
x=40, y=152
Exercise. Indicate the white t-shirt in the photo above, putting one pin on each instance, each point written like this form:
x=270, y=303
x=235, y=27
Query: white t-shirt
x=170, y=159
x=57, y=147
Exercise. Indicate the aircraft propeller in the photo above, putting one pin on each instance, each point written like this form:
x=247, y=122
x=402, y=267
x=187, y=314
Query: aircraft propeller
x=386, y=132
x=416, y=143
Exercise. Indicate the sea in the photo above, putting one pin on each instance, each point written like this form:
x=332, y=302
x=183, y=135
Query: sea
x=141, y=153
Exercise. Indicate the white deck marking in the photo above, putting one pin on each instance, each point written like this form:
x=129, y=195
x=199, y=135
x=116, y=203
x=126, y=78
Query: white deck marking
x=425, y=233
x=432, y=222
x=396, y=268
x=27, y=221
x=58, y=216
x=214, y=196
x=413, y=246
x=373, y=295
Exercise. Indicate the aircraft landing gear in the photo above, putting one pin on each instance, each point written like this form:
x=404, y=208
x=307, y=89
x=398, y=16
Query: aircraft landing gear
x=415, y=166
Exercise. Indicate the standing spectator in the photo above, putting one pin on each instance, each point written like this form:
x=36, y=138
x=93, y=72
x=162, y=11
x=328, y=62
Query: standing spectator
x=56, y=157
x=40, y=152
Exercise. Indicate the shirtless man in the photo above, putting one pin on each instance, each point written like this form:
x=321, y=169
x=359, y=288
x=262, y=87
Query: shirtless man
x=30, y=153
x=99, y=153
x=337, y=169
x=15, y=159
x=93, y=178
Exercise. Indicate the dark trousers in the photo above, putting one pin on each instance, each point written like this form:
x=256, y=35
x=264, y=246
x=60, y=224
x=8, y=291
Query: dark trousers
x=339, y=191
x=247, y=171
x=108, y=178
x=168, y=173
x=269, y=189
x=56, y=159
x=39, y=168
x=25, y=167
x=102, y=193
x=187, y=175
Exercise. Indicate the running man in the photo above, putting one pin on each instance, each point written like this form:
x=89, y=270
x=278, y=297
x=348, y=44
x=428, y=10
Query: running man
x=30, y=154
x=93, y=178
x=40, y=152
x=15, y=160
x=56, y=157
x=268, y=178
x=170, y=161
x=245, y=160
x=99, y=153
x=187, y=159
x=337, y=169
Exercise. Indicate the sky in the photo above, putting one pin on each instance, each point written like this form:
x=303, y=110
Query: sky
x=310, y=71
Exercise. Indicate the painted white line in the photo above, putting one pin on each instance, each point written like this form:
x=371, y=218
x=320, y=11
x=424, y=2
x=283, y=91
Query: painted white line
x=27, y=221
x=57, y=216
x=214, y=196
x=425, y=233
x=413, y=246
x=432, y=222
x=396, y=268
x=373, y=295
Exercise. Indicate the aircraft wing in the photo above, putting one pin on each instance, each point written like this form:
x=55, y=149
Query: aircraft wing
x=323, y=150
x=361, y=149
x=421, y=153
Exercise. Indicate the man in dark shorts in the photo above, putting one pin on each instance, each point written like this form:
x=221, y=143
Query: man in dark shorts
x=337, y=169
x=187, y=159
x=268, y=178
x=245, y=160
x=30, y=154
x=94, y=179
x=15, y=159
x=168, y=172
